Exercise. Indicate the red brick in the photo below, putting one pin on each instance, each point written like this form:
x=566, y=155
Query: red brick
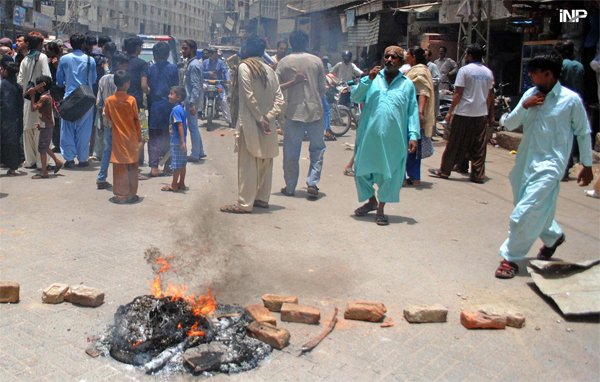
x=300, y=313
x=481, y=320
x=55, y=293
x=426, y=314
x=273, y=302
x=85, y=296
x=276, y=337
x=365, y=311
x=9, y=291
x=261, y=314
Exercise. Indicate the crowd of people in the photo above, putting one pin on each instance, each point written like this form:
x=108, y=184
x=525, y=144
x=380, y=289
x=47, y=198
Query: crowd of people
x=400, y=98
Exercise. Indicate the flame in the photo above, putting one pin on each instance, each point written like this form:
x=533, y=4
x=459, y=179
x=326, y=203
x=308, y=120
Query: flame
x=203, y=305
x=136, y=344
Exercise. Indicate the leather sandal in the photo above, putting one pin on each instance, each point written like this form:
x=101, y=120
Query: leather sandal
x=546, y=253
x=364, y=209
x=507, y=270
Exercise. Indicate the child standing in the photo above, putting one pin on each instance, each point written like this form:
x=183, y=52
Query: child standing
x=178, y=132
x=122, y=112
x=44, y=106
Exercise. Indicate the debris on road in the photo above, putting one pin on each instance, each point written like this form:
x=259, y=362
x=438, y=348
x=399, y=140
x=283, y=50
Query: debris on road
x=261, y=314
x=310, y=345
x=481, y=320
x=273, y=302
x=426, y=314
x=300, y=313
x=84, y=296
x=365, y=311
x=55, y=293
x=9, y=292
x=387, y=323
x=278, y=338
x=574, y=287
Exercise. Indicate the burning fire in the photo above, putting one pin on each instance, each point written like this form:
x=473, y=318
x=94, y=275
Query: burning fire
x=203, y=305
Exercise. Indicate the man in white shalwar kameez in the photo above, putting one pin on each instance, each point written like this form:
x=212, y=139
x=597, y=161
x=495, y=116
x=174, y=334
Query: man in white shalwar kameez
x=550, y=115
x=260, y=101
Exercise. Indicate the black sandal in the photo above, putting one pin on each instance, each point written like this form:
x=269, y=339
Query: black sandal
x=381, y=219
x=364, y=209
x=546, y=253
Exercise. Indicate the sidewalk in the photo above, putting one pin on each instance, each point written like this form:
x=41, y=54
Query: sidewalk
x=441, y=247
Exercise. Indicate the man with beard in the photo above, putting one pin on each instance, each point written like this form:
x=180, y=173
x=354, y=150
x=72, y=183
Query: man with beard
x=550, y=114
x=387, y=132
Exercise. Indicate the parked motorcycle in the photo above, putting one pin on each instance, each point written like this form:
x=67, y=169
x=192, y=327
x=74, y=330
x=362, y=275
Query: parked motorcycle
x=501, y=103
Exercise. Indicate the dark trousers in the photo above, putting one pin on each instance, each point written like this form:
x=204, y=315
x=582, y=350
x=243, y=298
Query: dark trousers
x=158, y=146
x=56, y=133
x=467, y=140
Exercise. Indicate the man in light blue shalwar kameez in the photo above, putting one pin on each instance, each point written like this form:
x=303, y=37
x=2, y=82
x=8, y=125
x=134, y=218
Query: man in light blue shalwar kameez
x=75, y=69
x=550, y=114
x=388, y=130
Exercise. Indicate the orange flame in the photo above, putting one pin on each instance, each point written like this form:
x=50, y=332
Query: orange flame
x=136, y=344
x=203, y=305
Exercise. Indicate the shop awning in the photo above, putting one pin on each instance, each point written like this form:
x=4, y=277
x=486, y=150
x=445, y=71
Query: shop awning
x=365, y=32
x=371, y=6
x=420, y=8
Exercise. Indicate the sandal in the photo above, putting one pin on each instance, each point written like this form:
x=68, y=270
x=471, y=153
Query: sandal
x=40, y=176
x=169, y=188
x=233, y=209
x=261, y=204
x=11, y=173
x=364, y=209
x=348, y=172
x=507, y=270
x=436, y=173
x=118, y=200
x=381, y=219
x=546, y=253
x=58, y=167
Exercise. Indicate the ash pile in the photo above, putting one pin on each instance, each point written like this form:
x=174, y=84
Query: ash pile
x=163, y=335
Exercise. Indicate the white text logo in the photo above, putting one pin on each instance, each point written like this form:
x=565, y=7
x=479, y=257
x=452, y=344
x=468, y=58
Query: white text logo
x=571, y=16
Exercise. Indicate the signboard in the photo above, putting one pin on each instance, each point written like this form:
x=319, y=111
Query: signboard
x=27, y=3
x=61, y=7
x=229, y=23
x=19, y=16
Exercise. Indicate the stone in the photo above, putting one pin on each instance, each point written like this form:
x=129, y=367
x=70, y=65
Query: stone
x=273, y=302
x=55, y=293
x=426, y=314
x=261, y=314
x=278, y=338
x=84, y=296
x=481, y=320
x=208, y=357
x=9, y=291
x=300, y=313
x=515, y=320
x=365, y=311
x=509, y=140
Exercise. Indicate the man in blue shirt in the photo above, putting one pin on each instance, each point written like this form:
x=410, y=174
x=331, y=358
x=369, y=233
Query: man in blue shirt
x=550, y=114
x=192, y=80
x=75, y=69
x=216, y=69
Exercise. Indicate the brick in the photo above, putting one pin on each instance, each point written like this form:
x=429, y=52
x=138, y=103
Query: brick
x=278, y=338
x=55, y=293
x=261, y=314
x=426, y=314
x=273, y=302
x=365, y=311
x=300, y=313
x=85, y=296
x=481, y=320
x=515, y=320
x=9, y=291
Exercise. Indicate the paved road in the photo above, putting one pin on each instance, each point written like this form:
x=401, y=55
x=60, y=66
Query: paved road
x=441, y=247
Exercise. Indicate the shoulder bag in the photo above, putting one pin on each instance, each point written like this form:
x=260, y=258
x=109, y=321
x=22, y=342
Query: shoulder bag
x=79, y=102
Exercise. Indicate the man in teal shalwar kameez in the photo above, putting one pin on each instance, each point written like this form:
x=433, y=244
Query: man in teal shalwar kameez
x=550, y=114
x=387, y=132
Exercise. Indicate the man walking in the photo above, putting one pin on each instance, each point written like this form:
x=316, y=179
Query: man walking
x=304, y=113
x=193, y=82
x=388, y=131
x=472, y=103
x=76, y=69
x=550, y=114
x=260, y=100
x=447, y=67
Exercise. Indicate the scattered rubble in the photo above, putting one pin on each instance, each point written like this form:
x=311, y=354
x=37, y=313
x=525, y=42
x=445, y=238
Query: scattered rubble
x=426, y=314
x=55, y=293
x=387, y=323
x=276, y=337
x=515, y=320
x=481, y=320
x=9, y=292
x=84, y=296
x=300, y=313
x=261, y=314
x=310, y=345
x=273, y=302
x=365, y=311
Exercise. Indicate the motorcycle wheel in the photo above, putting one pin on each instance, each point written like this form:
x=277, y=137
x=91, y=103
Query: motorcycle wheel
x=210, y=115
x=341, y=120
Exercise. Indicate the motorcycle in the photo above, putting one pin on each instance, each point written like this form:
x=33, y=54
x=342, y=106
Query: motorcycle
x=501, y=104
x=212, y=100
x=446, y=100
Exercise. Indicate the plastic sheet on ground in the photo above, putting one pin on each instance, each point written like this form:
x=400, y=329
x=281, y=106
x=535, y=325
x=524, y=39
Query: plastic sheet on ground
x=575, y=287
